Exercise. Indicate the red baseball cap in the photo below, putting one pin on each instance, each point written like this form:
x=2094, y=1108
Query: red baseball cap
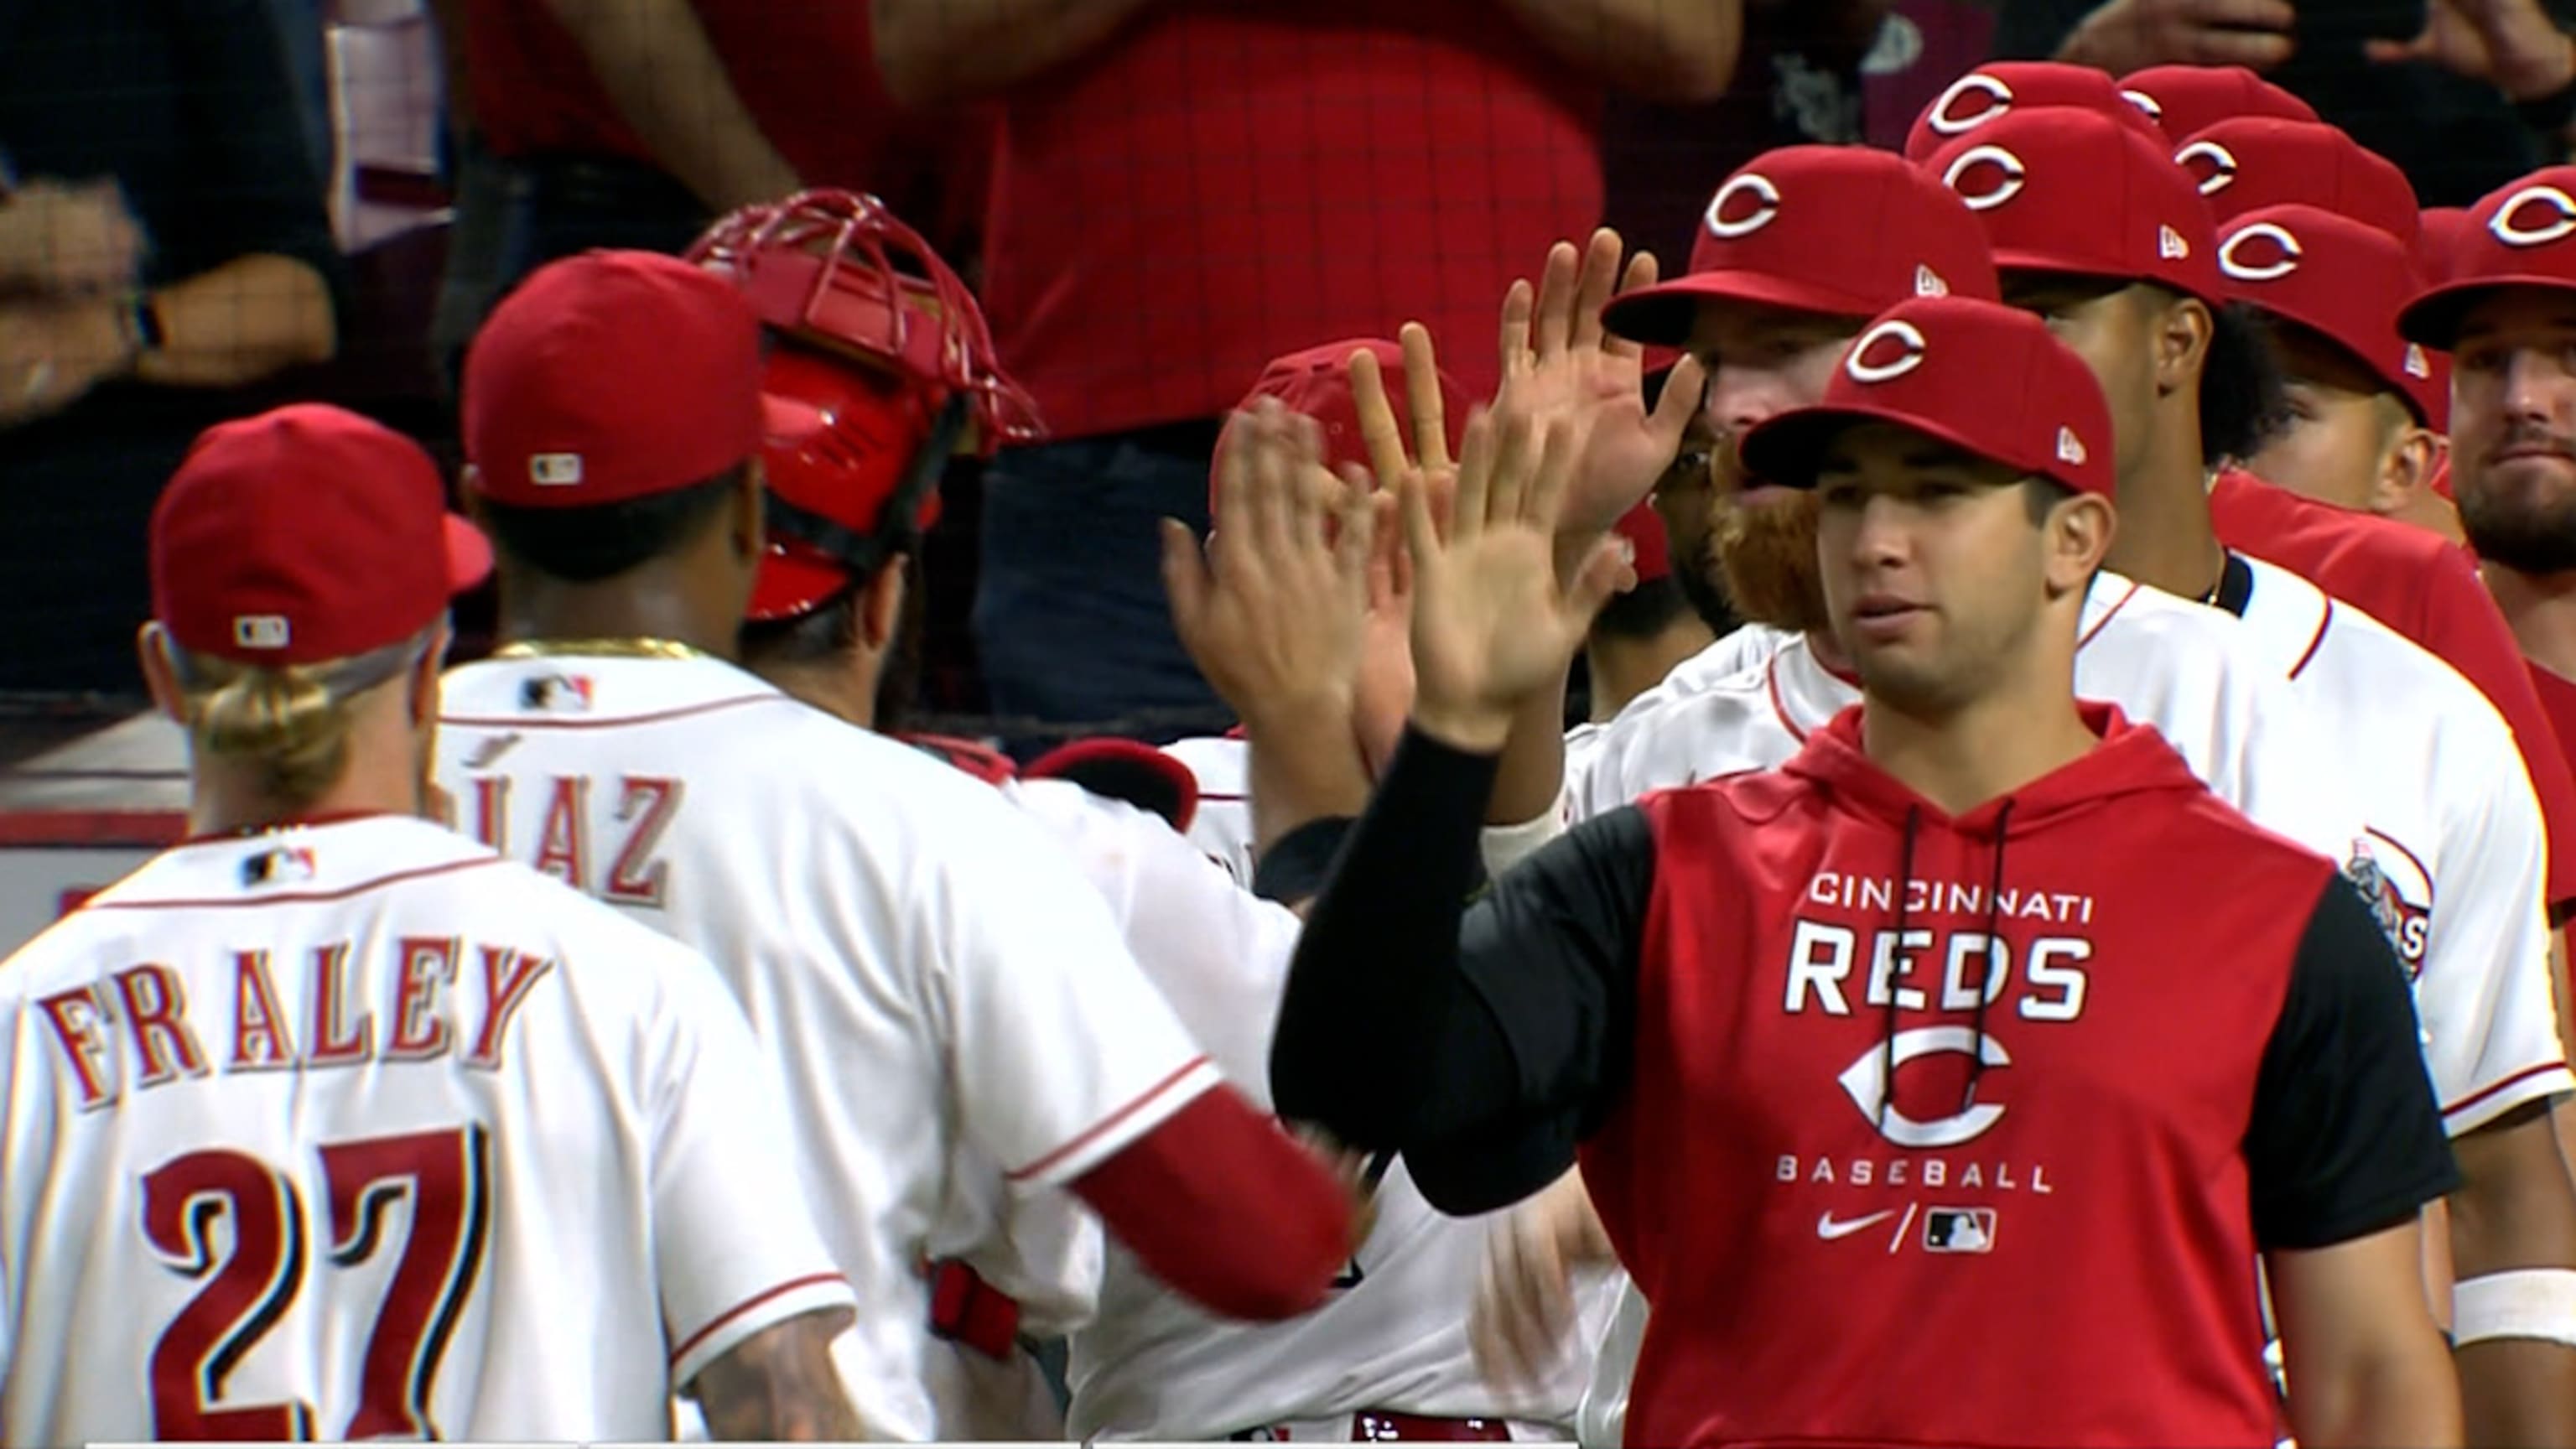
x=2078, y=193
x=1988, y=379
x=1846, y=231
x=1317, y=383
x=2005, y=87
x=2340, y=278
x=2439, y=231
x=2187, y=99
x=611, y=376
x=2522, y=234
x=840, y=442
x=2258, y=161
x=1652, y=552
x=306, y=534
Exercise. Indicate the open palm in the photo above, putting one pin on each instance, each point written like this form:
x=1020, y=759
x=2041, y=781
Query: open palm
x=1562, y=369
x=1491, y=622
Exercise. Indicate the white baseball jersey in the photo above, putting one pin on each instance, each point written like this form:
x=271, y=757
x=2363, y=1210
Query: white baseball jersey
x=926, y=970
x=1222, y=828
x=357, y=1130
x=1394, y=1335
x=2455, y=859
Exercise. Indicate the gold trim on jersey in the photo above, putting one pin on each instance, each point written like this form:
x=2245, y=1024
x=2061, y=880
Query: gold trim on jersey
x=600, y=649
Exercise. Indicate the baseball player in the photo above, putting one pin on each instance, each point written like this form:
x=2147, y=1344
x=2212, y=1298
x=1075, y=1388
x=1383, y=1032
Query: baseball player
x=852, y=476
x=1892, y=1161
x=925, y=969
x=2105, y=238
x=2362, y=399
x=330, y=1124
x=1776, y=304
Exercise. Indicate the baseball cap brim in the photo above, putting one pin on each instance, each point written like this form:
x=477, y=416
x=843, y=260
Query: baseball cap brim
x=1128, y=770
x=2433, y=319
x=1663, y=315
x=1788, y=449
x=469, y=556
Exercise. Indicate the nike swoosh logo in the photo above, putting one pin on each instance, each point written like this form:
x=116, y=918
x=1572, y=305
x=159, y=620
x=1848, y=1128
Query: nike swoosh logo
x=1828, y=1229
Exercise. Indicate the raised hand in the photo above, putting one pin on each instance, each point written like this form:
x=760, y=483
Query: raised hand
x=1491, y=623
x=1272, y=609
x=1524, y=1322
x=1562, y=368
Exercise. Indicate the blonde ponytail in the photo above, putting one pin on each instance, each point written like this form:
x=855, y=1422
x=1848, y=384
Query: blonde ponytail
x=291, y=722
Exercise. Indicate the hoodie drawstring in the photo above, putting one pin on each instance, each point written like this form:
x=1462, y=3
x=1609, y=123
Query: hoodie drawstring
x=1896, y=957
x=1994, y=945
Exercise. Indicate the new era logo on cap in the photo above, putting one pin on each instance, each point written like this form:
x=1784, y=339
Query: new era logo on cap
x=262, y=631
x=2170, y=246
x=1928, y=283
x=554, y=470
x=2070, y=448
x=2417, y=364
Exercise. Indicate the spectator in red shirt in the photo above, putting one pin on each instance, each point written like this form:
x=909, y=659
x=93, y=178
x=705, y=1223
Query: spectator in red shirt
x=1185, y=190
x=632, y=124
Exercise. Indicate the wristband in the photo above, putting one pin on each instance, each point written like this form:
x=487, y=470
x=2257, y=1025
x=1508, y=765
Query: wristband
x=1296, y=865
x=2518, y=1303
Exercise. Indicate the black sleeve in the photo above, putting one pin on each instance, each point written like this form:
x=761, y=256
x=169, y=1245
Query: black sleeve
x=1478, y=1041
x=2347, y=1138
x=2033, y=29
x=254, y=184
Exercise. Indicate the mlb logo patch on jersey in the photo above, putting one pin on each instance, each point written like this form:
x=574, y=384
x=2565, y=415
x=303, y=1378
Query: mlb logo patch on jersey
x=1958, y=1230
x=556, y=692
x=280, y=865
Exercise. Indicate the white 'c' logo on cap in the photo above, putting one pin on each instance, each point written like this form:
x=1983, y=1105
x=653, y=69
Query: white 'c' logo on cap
x=261, y=631
x=1998, y=98
x=2514, y=234
x=1911, y=349
x=2222, y=165
x=1749, y=183
x=2015, y=176
x=2144, y=102
x=2245, y=271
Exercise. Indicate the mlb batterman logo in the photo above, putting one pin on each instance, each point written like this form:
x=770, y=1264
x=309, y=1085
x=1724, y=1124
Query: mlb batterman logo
x=554, y=470
x=1886, y=352
x=261, y=631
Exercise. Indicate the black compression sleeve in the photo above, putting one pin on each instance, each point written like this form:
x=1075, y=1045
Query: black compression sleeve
x=2346, y=1138
x=1376, y=1019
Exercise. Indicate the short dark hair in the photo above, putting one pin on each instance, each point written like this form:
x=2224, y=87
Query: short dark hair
x=586, y=545
x=2041, y=494
x=2244, y=398
x=1644, y=611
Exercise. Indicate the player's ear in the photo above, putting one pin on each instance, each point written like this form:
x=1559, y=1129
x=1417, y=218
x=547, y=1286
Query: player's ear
x=881, y=605
x=160, y=675
x=2183, y=330
x=2076, y=537
x=2405, y=469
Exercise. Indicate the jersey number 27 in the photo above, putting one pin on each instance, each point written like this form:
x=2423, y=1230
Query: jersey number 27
x=445, y=1175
